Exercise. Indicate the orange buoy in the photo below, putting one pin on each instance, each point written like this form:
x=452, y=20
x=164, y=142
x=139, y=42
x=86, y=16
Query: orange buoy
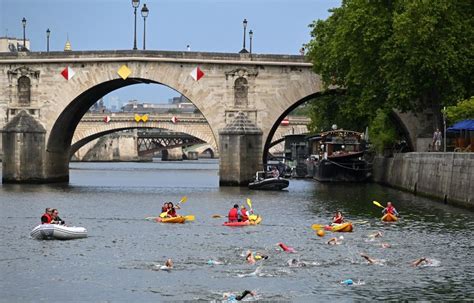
x=320, y=233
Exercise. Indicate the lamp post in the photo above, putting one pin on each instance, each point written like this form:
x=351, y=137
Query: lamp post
x=135, y=4
x=23, y=21
x=250, y=36
x=48, y=33
x=243, y=51
x=145, y=12
x=444, y=123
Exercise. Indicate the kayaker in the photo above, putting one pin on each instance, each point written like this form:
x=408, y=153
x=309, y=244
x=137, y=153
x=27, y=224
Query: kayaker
x=55, y=219
x=46, y=217
x=233, y=215
x=338, y=218
x=164, y=208
x=243, y=215
x=172, y=210
x=390, y=209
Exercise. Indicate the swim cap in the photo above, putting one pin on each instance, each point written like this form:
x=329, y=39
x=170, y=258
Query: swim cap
x=348, y=282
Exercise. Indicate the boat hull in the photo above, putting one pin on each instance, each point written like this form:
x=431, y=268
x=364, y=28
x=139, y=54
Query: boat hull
x=172, y=220
x=349, y=170
x=389, y=218
x=246, y=223
x=58, y=232
x=344, y=227
x=270, y=184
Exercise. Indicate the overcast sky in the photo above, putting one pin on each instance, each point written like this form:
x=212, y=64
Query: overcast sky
x=279, y=26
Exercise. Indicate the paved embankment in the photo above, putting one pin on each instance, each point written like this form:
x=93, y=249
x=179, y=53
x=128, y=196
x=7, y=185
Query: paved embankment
x=445, y=176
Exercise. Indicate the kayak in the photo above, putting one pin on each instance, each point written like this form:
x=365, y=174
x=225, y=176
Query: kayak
x=389, y=218
x=344, y=227
x=246, y=223
x=179, y=219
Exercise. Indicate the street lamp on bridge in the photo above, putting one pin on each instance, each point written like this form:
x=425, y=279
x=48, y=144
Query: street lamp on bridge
x=244, y=51
x=48, y=33
x=145, y=12
x=23, y=21
x=250, y=37
x=135, y=4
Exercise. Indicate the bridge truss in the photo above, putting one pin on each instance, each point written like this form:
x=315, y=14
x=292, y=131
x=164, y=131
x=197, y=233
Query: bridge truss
x=153, y=141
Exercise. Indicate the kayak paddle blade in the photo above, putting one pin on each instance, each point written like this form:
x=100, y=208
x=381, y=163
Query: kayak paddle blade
x=378, y=204
x=316, y=226
x=189, y=217
x=253, y=217
x=249, y=202
x=216, y=216
x=183, y=200
x=163, y=214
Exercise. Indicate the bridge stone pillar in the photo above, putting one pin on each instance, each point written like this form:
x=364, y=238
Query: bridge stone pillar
x=172, y=154
x=24, y=150
x=240, y=147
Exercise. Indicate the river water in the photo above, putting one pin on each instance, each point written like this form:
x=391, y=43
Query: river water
x=120, y=259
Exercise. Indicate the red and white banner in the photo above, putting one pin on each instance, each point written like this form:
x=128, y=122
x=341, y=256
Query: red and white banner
x=197, y=74
x=68, y=73
x=174, y=119
x=285, y=122
x=107, y=119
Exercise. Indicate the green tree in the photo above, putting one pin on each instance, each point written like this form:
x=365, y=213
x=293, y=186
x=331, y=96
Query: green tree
x=382, y=132
x=408, y=55
x=461, y=111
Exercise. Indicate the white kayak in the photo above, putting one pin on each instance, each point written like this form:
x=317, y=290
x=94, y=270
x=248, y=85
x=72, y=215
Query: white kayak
x=58, y=232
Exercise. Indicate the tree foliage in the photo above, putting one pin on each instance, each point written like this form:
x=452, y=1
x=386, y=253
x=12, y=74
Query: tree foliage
x=382, y=132
x=408, y=55
x=461, y=111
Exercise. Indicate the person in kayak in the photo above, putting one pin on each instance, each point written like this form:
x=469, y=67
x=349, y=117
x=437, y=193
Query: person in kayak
x=390, y=209
x=233, y=215
x=171, y=212
x=46, y=217
x=55, y=219
x=243, y=215
x=338, y=218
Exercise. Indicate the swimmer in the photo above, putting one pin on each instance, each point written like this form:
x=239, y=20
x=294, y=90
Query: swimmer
x=260, y=256
x=420, y=261
x=378, y=234
x=334, y=241
x=369, y=259
x=232, y=297
x=386, y=245
x=286, y=248
x=296, y=263
x=249, y=257
x=214, y=262
x=168, y=265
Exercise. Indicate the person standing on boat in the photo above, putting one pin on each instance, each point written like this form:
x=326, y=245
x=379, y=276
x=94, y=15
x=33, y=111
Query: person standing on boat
x=55, y=219
x=338, y=218
x=390, y=209
x=46, y=217
x=233, y=215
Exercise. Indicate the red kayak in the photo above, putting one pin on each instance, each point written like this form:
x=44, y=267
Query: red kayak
x=250, y=222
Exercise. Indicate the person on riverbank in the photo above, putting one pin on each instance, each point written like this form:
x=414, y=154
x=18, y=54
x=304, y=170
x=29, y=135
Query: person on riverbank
x=390, y=209
x=338, y=218
x=55, y=219
x=233, y=215
x=437, y=137
x=46, y=217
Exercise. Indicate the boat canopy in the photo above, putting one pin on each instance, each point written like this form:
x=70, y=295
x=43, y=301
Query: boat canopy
x=462, y=125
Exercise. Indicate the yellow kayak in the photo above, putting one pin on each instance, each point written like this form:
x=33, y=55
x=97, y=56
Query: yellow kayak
x=389, y=218
x=179, y=219
x=344, y=227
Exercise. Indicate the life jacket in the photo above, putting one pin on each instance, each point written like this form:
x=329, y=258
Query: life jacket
x=172, y=213
x=243, y=215
x=390, y=210
x=46, y=219
x=338, y=220
x=233, y=215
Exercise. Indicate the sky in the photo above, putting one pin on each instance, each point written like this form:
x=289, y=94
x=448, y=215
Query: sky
x=279, y=26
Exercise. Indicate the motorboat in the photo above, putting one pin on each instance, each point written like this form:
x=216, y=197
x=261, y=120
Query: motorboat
x=263, y=182
x=58, y=232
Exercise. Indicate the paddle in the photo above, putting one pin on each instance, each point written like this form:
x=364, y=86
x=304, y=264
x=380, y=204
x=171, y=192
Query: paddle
x=217, y=216
x=252, y=217
x=189, y=217
x=317, y=226
x=378, y=204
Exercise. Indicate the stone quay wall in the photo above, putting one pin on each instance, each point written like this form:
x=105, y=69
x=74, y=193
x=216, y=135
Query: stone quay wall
x=448, y=177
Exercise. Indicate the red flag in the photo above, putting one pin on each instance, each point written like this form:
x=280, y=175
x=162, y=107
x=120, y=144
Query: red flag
x=197, y=74
x=68, y=73
x=285, y=122
x=107, y=119
x=174, y=119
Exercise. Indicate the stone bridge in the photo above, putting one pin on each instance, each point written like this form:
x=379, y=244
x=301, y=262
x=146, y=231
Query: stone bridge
x=94, y=125
x=243, y=97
